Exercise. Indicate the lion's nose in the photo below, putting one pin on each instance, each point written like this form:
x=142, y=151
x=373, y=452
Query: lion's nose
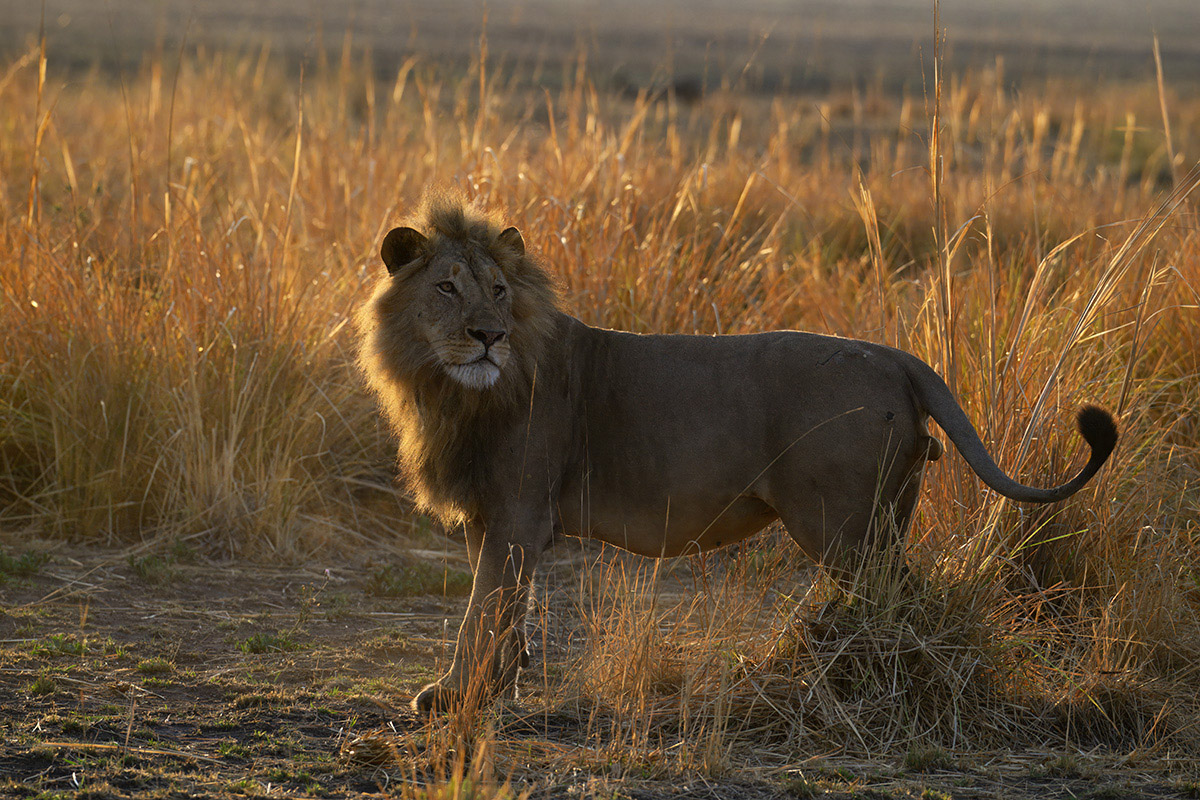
x=488, y=338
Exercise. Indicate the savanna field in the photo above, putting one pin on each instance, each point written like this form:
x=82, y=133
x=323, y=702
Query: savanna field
x=210, y=585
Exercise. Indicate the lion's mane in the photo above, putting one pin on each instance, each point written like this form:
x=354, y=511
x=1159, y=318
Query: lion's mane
x=446, y=430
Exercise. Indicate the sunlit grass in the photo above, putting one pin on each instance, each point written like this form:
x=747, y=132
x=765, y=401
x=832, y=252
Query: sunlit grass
x=180, y=252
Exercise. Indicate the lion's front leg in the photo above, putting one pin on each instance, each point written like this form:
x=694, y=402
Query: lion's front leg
x=491, y=646
x=474, y=536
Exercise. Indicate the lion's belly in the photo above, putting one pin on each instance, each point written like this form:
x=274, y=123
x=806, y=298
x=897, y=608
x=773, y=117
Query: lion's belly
x=670, y=529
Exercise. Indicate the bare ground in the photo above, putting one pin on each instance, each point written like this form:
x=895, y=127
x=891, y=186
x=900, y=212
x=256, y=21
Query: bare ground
x=161, y=677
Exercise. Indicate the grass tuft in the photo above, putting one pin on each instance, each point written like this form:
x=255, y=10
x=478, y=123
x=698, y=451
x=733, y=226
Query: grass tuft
x=42, y=685
x=927, y=759
x=800, y=787
x=60, y=644
x=155, y=666
x=152, y=568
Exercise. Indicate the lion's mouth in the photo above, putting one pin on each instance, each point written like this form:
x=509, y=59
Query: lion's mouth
x=481, y=373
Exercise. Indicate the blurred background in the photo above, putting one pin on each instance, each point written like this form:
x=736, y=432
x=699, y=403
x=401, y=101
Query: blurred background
x=765, y=45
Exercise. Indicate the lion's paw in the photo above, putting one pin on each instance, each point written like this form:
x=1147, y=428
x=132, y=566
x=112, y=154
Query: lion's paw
x=437, y=698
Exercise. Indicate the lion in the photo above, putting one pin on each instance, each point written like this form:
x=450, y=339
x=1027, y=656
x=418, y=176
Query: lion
x=520, y=424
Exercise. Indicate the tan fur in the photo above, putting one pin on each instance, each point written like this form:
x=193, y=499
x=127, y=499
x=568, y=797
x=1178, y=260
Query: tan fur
x=663, y=445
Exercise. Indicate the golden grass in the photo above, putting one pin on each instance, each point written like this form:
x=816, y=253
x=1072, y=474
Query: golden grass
x=181, y=249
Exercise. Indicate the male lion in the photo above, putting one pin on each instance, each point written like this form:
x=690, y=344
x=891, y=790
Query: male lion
x=521, y=423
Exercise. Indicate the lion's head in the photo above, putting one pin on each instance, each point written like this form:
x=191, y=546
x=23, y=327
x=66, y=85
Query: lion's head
x=465, y=307
x=461, y=297
x=453, y=332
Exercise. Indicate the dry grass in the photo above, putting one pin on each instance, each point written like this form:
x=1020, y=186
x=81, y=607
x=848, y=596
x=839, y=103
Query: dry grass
x=180, y=251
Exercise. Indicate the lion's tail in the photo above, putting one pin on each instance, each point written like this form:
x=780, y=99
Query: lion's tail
x=1096, y=425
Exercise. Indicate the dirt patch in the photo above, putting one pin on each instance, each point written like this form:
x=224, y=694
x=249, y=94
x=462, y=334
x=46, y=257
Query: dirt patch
x=123, y=677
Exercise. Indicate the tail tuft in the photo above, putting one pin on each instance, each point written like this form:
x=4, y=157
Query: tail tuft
x=1099, y=430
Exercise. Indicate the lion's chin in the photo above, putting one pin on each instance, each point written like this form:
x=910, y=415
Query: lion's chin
x=480, y=374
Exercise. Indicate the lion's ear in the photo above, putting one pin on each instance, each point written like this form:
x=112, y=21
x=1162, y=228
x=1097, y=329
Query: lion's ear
x=511, y=238
x=402, y=246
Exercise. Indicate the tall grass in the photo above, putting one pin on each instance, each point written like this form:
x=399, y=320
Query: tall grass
x=181, y=248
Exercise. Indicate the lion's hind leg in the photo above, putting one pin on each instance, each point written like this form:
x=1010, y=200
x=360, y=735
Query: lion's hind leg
x=838, y=522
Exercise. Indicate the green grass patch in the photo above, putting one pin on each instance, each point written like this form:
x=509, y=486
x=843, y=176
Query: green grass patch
x=1189, y=788
x=232, y=750
x=417, y=579
x=800, y=787
x=927, y=759
x=153, y=568
x=22, y=566
x=1112, y=791
x=78, y=725
x=60, y=644
x=245, y=786
x=262, y=699
x=155, y=666
x=261, y=643
x=1064, y=766
x=42, y=686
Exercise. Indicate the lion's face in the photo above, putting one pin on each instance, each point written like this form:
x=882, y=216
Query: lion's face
x=466, y=317
x=460, y=299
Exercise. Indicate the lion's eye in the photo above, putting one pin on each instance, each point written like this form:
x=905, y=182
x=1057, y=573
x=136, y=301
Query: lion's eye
x=446, y=287
x=499, y=291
